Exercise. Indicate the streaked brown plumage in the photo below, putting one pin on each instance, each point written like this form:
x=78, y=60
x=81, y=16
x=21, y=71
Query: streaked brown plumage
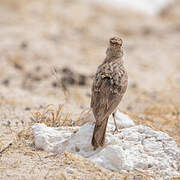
x=109, y=86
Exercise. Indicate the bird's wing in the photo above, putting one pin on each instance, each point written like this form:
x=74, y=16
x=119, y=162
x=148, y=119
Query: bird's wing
x=104, y=100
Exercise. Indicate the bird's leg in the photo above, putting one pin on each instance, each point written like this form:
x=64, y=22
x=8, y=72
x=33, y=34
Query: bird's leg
x=116, y=128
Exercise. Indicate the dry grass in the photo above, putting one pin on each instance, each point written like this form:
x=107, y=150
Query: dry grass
x=52, y=116
x=165, y=117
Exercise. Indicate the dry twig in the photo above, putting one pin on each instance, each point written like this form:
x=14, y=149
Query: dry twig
x=6, y=147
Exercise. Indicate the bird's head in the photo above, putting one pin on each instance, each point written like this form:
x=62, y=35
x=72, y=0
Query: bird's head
x=115, y=48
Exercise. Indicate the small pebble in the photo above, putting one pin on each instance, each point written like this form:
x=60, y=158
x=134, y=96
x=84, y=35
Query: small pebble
x=69, y=170
x=27, y=109
x=54, y=84
x=24, y=45
x=6, y=82
x=17, y=66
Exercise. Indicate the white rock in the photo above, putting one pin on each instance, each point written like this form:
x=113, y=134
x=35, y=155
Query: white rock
x=46, y=137
x=108, y=155
x=136, y=147
x=79, y=142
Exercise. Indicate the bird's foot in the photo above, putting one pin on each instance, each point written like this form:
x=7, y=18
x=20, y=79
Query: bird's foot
x=115, y=131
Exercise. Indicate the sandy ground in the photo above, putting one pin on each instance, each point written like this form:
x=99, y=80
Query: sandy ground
x=71, y=36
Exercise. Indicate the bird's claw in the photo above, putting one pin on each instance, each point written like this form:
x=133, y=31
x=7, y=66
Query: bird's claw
x=115, y=131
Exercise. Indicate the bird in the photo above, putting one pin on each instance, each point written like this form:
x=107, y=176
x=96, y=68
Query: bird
x=109, y=85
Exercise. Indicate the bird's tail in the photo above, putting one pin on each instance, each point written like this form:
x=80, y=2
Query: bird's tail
x=99, y=134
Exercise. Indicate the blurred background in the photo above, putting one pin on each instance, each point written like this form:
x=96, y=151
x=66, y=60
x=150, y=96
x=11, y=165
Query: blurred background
x=70, y=37
x=50, y=49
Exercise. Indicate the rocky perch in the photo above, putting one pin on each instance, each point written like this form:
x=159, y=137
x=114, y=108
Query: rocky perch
x=132, y=148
